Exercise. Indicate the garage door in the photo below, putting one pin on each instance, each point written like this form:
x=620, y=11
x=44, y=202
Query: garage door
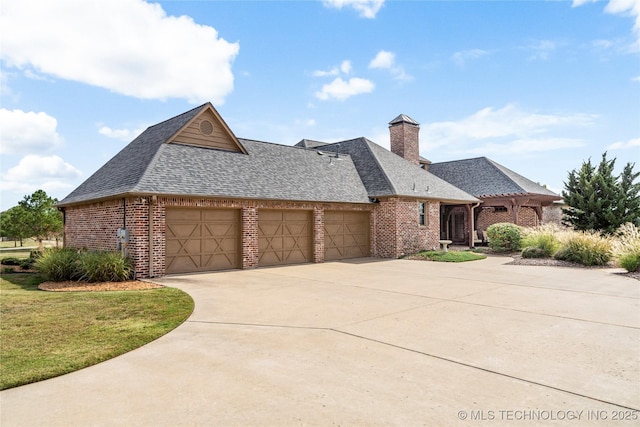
x=346, y=235
x=202, y=239
x=284, y=237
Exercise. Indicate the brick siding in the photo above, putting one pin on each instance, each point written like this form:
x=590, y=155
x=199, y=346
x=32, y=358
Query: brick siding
x=527, y=217
x=398, y=231
x=394, y=228
x=405, y=141
x=93, y=226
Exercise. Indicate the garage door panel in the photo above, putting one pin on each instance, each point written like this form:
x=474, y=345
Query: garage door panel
x=202, y=239
x=346, y=235
x=284, y=237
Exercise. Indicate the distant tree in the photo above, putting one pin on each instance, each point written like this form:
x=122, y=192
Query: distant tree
x=599, y=200
x=42, y=218
x=13, y=224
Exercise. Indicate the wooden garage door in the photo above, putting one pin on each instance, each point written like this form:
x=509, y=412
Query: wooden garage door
x=346, y=235
x=202, y=239
x=284, y=237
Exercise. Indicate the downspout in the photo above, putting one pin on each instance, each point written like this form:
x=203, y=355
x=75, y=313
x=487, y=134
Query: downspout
x=151, y=200
x=64, y=226
x=124, y=213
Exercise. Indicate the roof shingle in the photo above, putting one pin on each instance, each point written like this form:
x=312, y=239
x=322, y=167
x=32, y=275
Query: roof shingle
x=485, y=178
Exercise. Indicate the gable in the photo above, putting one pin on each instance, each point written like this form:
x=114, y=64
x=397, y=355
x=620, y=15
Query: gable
x=208, y=130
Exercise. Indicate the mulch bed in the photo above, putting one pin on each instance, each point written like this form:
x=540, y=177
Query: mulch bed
x=73, y=286
x=550, y=262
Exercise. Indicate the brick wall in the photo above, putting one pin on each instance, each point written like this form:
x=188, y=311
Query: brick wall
x=398, y=231
x=405, y=141
x=527, y=217
x=94, y=226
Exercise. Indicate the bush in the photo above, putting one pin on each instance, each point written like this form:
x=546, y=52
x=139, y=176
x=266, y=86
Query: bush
x=26, y=263
x=58, y=265
x=544, y=238
x=10, y=261
x=626, y=247
x=105, y=267
x=533, y=252
x=504, y=237
x=586, y=248
x=630, y=262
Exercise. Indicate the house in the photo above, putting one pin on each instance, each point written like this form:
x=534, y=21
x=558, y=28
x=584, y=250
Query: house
x=506, y=196
x=194, y=197
x=187, y=195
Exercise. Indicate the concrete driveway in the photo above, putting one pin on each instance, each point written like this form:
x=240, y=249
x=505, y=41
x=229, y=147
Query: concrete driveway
x=370, y=342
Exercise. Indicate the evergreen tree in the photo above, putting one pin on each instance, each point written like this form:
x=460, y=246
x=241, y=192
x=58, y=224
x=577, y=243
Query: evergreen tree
x=599, y=200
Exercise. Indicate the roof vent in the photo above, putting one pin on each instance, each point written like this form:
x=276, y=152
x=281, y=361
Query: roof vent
x=206, y=127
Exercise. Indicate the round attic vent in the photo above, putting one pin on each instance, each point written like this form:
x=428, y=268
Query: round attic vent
x=206, y=127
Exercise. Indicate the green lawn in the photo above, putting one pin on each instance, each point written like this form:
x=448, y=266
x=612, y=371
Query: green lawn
x=451, y=256
x=46, y=334
x=25, y=243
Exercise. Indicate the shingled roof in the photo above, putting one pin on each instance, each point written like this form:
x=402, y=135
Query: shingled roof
x=150, y=165
x=485, y=178
x=162, y=161
x=387, y=174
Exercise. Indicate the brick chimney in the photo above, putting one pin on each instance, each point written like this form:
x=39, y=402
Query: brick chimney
x=404, y=138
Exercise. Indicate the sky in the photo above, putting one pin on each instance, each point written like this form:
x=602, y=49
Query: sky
x=537, y=86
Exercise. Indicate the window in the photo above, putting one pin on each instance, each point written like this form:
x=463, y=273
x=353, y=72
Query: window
x=422, y=218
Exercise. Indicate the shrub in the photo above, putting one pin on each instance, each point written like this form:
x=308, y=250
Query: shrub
x=10, y=261
x=534, y=252
x=544, y=238
x=586, y=248
x=630, y=262
x=626, y=247
x=26, y=263
x=58, y=265
x=105, y=267
x=504, y=237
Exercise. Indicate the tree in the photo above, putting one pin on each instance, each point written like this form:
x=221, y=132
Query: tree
x=599, y=200
x=42, y=218
x=13, y=224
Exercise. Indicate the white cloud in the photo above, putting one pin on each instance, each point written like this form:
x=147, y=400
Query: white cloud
x=50, y=173
x=387, y=60
x=126, y=135
x=365, y=8
x=460, y=58
x=345, y=67
x=341, y=89
x=542, y=49
x=126, y=46
x=23, y=132
x=621, y=145
x=621, y=7
x=635, y=79
x=630, y=8
x=383, y=59
x=577, y=3
x=508, y=129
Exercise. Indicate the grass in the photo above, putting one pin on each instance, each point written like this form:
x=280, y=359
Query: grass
x=15, y=253
x=451, y=256
x=25, y=243
x=46, y=334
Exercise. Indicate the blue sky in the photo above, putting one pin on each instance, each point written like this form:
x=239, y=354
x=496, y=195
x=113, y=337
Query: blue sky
x=538, y=86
